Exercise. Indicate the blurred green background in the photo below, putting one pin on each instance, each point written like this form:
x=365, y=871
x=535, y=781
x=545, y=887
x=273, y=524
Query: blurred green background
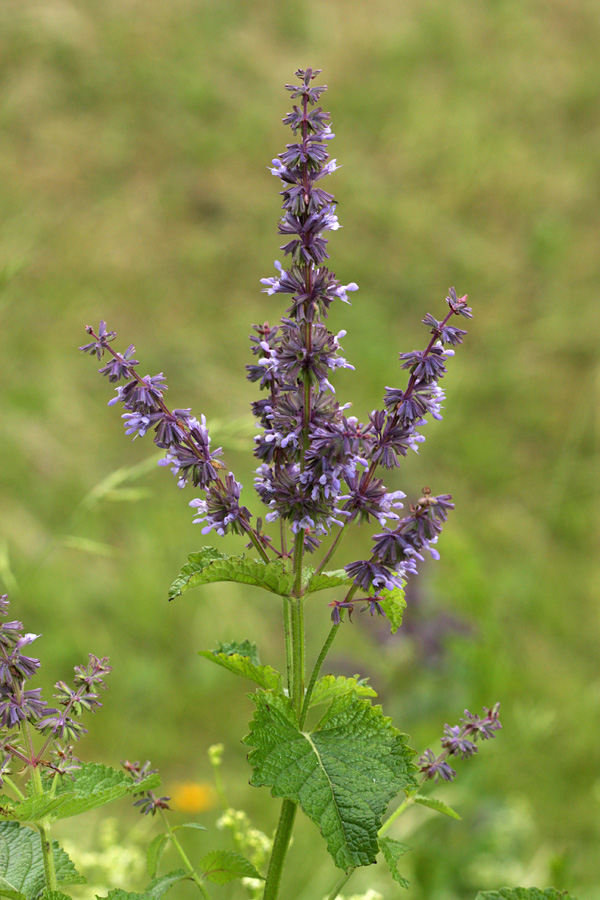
x=134, y=188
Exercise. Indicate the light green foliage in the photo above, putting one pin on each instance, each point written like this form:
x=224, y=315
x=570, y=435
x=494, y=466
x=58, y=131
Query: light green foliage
x=325, y=580
x=392, y=851
x=223, y=866
x=110, y=857
x=242, y=659
x=438, y=805
x=155, y=890
x=93, y=785
x=252, y=842
x=330, y=686
x=22, y=865
x=343, y=774
x=524, y=894
x=393, y=604
x=158, y=845
x=209, y=565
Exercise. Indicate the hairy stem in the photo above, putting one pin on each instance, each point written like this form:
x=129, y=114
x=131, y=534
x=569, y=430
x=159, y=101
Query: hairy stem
x=280, y=848
x=287, y=628
x=315, y=672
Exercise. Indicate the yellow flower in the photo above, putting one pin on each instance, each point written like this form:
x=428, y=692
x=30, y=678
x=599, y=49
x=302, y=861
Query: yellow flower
x=192, y=796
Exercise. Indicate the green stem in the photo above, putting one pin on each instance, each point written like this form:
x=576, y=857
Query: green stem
x=184, y=858
x=252, y=535
x=408, y=801
x=315, y=672
x=340, y=884
x=43, y=826
x=297, y=616
x=14, y=787
x=334, y=546
x=287, y=628
x=280, y=848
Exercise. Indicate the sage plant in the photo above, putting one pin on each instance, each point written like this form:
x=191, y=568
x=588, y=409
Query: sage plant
x=320, y=472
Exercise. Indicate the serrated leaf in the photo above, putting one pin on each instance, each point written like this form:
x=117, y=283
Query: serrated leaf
x=393, y=604
x=392, y=851
x=22, y=864
x=159, y=886
x=243, y=648
x=209, y=565
x=524, y=894
x=330, y=686
x=119, y=894
x=438, y=805
x=263, y=676
x=93, y=786
x=325, y=580
x=223, y=866
x=30, y=810
x=343, y=774
x=54, y=895
x=155, y=852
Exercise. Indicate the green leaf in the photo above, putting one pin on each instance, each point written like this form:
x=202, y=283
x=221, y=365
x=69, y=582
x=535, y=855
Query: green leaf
x=263, y=676
x=155, y=890
x=343, y=774
x=155, y=852
x=245, y=648
x=223, y=866
x=30, y=810
x=160, y=886
x=22, y=864
x=330, y=686
x=392, y=851
x=325, y=580
x=54, y=895
x=438, y=805
x=119, y=894
x=95, y=785
x=524, y=894
x=195, y=825
x=393, y=604
x=209, y=565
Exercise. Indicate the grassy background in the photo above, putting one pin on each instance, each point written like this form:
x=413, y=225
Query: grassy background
x=134, y=188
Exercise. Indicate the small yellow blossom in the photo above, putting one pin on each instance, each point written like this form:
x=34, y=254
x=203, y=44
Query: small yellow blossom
x=192, y=796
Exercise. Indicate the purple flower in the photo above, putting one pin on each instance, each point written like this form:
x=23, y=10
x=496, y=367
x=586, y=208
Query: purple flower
x=436, y=767
x=19, y=706
x=101, y=342
x=367, y=574
x=221, y=509
x=456, y=743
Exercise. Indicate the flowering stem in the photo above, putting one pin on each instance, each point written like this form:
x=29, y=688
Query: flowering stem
x=315, y=672
x=297, y=621
x=252, y=535
x=43, y=825
x=340, y=884
x=287, y=628
x=294, y=643
x=280, y=848
x=184, y=858
x=334, y=546
x=408, y=801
